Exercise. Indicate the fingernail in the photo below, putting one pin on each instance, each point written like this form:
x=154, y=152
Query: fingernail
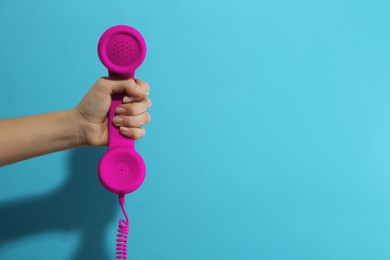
x=127, y=99
x=124, y=129
x=148, y=93
x=120, y=110
x=117, y=120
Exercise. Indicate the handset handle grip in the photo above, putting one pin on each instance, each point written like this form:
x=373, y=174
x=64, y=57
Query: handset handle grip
x=115, y=138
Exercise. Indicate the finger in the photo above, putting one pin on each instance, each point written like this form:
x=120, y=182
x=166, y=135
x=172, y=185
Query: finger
x=128, y=99
x=132, y=121
x=124, y=86
x=135, y=133
x=144, y=85
x=134, y=108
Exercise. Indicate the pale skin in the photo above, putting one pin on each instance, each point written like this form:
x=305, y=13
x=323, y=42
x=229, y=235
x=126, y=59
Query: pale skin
x=84, y=125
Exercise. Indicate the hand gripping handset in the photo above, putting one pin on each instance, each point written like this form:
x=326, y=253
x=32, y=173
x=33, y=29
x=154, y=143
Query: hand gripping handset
x=122, y=50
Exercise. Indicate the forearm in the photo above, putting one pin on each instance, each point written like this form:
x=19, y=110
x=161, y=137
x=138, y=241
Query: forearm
x=27, y=137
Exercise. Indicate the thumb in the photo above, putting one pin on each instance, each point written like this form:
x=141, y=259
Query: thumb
x=127, y=87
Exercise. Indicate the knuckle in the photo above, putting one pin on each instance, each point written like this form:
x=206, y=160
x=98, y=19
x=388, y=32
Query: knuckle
x=130, y=109
x=139, y=133
x=101, y=83
x=143, y=85
x=148, y=117
x=132, y=83
x=146, y=85
x=126, y=121
x=148, y=103
x=147, y=88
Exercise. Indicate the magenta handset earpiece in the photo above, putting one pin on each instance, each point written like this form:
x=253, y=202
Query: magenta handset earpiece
x=121, y=49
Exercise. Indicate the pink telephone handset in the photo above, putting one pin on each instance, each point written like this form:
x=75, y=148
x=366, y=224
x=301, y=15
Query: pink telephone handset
x=122, y=50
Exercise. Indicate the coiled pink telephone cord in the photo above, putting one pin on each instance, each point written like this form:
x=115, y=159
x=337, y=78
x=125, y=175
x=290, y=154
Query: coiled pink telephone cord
x=123, y=231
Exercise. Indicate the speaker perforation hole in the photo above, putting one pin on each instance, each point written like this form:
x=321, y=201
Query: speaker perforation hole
x=122, y=50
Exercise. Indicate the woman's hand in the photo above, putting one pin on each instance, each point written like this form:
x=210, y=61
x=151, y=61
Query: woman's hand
x=86, y=124
x=93, y=109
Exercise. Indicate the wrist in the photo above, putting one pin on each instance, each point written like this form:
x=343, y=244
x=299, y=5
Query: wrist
x=77, y=129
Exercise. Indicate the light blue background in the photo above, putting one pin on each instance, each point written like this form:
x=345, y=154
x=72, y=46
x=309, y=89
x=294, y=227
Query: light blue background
x=270, y=132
